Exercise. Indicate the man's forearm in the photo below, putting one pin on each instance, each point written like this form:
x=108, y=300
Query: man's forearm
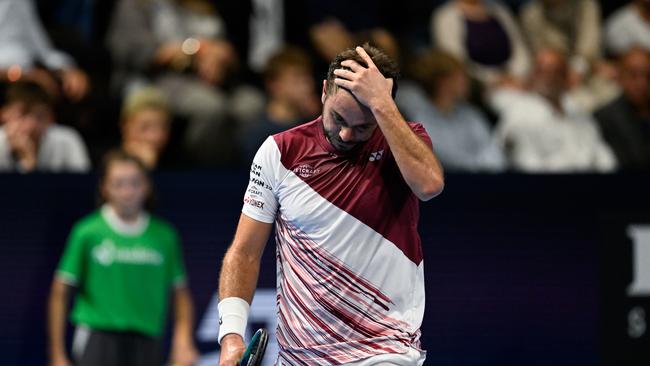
x=239, y=274
x=416, y=161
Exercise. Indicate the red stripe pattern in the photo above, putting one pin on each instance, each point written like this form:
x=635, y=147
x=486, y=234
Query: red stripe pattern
x=327, y=313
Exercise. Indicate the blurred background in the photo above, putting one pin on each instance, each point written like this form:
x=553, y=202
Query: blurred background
x=538, y=251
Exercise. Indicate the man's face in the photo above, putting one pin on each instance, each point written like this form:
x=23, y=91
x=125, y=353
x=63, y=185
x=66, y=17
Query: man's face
x=454, y=84
x=634, y=76
x=30, y=121
x=550, y=76
x=346, y=122
x=125, y=187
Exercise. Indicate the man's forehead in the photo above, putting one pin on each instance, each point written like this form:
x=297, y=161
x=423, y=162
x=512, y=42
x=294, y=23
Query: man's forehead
x=355, y=119
x=343, y=99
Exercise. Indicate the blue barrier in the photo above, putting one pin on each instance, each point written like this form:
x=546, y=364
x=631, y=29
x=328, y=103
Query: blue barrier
x=520, y=269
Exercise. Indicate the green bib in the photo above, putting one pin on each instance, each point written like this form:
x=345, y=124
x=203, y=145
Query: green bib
x=123, y=280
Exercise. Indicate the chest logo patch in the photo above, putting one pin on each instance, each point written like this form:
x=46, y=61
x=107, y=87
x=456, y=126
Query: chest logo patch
x=306, y=170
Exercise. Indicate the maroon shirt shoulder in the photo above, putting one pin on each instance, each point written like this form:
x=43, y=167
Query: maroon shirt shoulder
x=366, y=182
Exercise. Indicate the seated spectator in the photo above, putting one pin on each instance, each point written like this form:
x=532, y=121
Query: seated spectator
x=485, y=36
x=573, y=27
x=24, y=45
x=292, y=98
x=625, y=122
x=180, y=47
x=29, y=138
x=460, y=133
x=628, y=27
x=542, y=130
x=145, y=126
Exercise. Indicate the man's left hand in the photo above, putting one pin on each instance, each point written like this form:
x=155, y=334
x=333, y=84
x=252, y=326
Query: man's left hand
x=368, y=85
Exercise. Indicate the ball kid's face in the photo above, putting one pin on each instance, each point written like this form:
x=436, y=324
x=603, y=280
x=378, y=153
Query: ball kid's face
x=125, y=187
x=346, y=122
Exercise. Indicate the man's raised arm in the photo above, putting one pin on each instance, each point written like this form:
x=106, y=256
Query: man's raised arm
x=415, y=158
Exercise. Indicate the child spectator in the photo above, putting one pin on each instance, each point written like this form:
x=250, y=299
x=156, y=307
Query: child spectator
x=29, y=138
x=145, y=125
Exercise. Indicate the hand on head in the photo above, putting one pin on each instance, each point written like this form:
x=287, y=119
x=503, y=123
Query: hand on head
x=367, y=84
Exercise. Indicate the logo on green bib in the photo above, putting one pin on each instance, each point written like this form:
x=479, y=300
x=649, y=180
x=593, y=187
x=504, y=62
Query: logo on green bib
x=108, y=253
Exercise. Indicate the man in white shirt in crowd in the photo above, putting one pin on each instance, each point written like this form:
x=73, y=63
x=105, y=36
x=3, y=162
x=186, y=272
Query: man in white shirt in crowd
x=542, y=129
x=628, y=27
x=29, y=138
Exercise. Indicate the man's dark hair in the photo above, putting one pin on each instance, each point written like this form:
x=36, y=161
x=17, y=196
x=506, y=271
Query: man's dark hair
x=386, y=65
x=27, y=92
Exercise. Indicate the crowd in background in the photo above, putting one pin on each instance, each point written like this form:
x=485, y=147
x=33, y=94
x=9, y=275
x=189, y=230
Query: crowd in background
x=530, y=86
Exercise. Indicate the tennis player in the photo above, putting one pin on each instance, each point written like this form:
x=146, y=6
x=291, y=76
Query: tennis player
x=343, y=193
x=124, y=263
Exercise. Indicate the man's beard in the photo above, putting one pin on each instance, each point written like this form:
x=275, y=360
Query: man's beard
x=337, y=143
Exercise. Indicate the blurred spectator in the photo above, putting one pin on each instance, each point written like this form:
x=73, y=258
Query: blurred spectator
x=125, y=263
x=180, y=46
x=485, y=36
x=460, y=133
x=331, y=36
x=325, y=28
x=29, y=138
x=145, y=125
x=292, y=98
x=265, y=29
x=542, y=130
x=628, y=27
x=572, y=26
x=24, y=45
x=625, y=122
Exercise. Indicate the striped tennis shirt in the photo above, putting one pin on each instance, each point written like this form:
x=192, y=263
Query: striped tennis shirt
x=350, y=281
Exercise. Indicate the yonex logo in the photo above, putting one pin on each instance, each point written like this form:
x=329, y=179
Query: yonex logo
x=376, y=155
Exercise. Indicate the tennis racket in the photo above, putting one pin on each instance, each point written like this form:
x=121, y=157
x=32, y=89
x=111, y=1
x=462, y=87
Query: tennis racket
x=256, y=348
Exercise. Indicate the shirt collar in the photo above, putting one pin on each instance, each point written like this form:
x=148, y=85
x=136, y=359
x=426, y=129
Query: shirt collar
x=122, y=227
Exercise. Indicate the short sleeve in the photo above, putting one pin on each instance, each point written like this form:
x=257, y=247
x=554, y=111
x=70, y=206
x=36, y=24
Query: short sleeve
x=260, y=199
x=71, y=265
x=422, y=133
x=178, y=276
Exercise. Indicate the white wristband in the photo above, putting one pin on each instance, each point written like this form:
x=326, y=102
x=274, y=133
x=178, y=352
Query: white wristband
x=233, y=316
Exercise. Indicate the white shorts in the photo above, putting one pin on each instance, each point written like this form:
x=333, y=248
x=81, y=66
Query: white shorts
x=412, y=357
